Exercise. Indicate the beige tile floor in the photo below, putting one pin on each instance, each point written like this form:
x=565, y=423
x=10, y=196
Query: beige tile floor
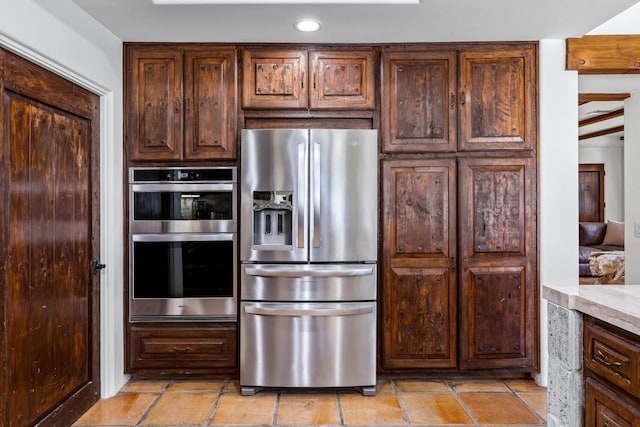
x=414, y=402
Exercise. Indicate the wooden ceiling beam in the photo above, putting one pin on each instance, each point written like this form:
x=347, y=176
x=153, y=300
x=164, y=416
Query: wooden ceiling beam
x=606, y=54
x=583, y=98
x=601, y=117
x=602, y=132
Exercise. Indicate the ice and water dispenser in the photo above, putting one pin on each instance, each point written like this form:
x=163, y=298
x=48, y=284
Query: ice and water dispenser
x=272, y=214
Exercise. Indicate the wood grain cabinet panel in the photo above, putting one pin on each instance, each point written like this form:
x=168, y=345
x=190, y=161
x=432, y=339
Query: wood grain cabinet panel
x=154, y=104
x=498, y=99
x=180, y=102
x=343, y=79
x=419, y=286
x=274, y=78
x=497, y=257
x=308, y=79
x=182, y=349
x=419, y=109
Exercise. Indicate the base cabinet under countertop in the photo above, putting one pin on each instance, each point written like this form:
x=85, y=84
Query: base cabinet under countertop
x=612, y=375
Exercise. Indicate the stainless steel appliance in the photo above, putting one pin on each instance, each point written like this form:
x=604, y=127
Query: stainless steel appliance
x=183, y=244
x=308, y=251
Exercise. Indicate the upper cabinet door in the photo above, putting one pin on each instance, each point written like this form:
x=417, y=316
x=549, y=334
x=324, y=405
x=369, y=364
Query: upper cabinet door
x=210, y=104
x=274, y=78
x=343, y=79
x=498, y=99
x=419, y=105
x=154, y=104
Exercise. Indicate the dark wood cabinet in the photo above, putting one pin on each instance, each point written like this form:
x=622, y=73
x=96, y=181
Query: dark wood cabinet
x=469, y=99
x=612, y=375
x=498, y=292
x=315, y=79
x=419, y=290
x=419, y=109
x=498, y=99
x=175, y=348
x=459, y=284
x=180, y=102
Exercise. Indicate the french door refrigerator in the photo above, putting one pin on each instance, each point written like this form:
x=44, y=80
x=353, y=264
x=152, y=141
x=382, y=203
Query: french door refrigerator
x=308, y=249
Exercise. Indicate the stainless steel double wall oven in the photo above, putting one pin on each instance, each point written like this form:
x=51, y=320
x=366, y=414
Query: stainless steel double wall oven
x=183, y=244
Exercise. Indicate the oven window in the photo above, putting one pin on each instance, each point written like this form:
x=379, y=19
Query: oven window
x=182, y=205
x=183, y=269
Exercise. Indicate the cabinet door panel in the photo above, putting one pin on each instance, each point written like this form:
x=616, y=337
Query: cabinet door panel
x=343, y=79
x=419, y=109
x=498, y=99
x=421, y=318
x=419, y=287
x=155, y=104
x=498, y=258
x=274, y=79
x=210, y=119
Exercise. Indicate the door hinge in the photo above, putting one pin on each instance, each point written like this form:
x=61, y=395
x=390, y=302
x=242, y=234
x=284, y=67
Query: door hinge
x=97, y=266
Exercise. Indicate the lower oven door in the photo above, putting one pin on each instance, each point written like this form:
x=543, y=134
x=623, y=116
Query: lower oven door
x=307, y=345
x=183, y=277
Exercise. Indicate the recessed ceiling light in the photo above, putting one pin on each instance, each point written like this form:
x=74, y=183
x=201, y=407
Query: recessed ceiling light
x=267, y=2
x=307, y=25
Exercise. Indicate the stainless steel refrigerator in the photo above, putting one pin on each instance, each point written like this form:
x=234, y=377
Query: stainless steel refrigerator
x=308, y=249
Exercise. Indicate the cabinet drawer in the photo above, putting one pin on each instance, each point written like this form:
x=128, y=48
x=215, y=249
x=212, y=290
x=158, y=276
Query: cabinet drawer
x=605, y=407
x=613, y=355
x=183, y=348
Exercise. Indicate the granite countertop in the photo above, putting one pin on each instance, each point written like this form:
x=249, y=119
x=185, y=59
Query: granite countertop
x=618, y=305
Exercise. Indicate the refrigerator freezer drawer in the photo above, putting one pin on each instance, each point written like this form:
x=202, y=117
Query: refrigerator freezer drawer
x=306, y=282
x=308, y=345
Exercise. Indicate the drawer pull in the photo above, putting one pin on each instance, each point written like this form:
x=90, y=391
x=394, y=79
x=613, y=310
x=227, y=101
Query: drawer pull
x=602, y=358
x=181, y=349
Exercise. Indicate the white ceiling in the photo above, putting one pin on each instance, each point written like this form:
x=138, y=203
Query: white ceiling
x=429, y=21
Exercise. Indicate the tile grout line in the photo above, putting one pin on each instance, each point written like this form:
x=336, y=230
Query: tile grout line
x=276, y=407
x=153, y=404
x=461, y=402
x=215, y=404
x=340, y=414
x=526, y=405
x=405, y=414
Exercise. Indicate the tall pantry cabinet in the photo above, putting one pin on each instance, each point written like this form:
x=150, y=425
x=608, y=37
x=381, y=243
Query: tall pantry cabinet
x=459, y=259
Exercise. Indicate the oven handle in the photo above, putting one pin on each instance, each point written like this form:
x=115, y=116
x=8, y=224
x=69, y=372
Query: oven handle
x=298, y=312
x=284, y=272
x=180, y=187
x=186, y=237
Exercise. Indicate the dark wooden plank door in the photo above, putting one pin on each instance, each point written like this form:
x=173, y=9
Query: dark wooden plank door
x=419, y=291
x=51, y=341
x=591, y=192
x=419, y=110
x=498, y=292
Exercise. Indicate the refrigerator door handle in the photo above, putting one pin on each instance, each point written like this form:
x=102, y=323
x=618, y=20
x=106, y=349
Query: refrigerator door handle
x=302, y=191
x=284, y=272
x=315, y=207
x=284, y=310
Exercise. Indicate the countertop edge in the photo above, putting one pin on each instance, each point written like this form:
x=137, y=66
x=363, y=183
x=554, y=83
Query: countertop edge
x=618, y=305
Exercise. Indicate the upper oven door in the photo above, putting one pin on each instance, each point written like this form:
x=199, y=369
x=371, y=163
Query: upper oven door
x=182, y=208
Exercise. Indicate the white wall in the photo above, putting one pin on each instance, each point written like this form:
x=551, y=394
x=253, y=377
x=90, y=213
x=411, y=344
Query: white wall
x=81, y=50
x=632, y=177
x=558, y=178
x=610, y=152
